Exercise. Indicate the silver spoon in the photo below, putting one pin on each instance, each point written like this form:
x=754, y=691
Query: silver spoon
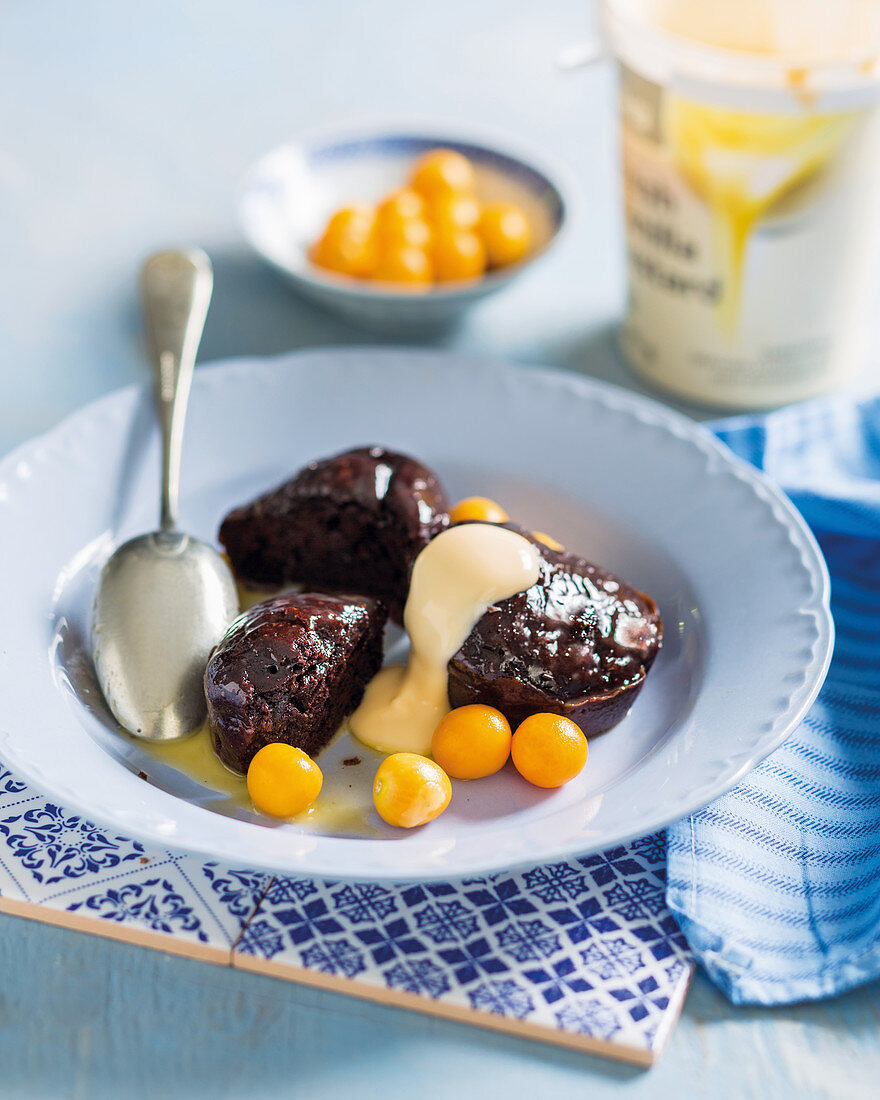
x=164, y=599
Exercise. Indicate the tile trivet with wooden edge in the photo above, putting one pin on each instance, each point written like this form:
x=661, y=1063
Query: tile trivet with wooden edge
x=582, y=953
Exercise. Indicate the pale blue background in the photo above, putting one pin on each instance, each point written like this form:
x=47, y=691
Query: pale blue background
x=125, y=127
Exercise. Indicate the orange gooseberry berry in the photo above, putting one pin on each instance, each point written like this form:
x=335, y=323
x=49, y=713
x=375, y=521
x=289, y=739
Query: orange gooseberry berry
x=356, y=219
x=471, y=742
x=478, y=508
x=347, y=255
x=405, y=231
x=548, y=540
x=454, y=209
x=347, y=244
x=505, y=231
x=410, y=790
x=399, y=205
x=548, y=750
x=441, y=171
x=458, y=254
x=403, y=263
x=283, y=780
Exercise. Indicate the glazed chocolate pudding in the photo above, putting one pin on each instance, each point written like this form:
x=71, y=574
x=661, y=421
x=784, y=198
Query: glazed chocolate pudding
x=579, y=643
x=290, y=670
x=354, y=523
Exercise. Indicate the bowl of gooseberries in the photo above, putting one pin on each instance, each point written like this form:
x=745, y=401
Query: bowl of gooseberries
x=400, y=230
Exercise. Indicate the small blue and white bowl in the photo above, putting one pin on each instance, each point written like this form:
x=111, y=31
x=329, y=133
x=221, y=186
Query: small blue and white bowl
x=290, y=193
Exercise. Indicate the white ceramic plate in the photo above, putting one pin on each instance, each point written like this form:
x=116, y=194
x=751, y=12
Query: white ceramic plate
x=740, y=582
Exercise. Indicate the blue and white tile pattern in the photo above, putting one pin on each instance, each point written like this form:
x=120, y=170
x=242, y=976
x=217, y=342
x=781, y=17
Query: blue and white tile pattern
x=51, y=858
x=586, y=947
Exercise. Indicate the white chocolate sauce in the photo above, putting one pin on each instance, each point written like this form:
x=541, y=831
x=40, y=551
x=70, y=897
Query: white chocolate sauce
x=455, y=579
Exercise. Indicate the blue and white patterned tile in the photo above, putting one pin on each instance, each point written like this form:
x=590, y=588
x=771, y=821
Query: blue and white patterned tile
x=582, y=952
x=59, y=865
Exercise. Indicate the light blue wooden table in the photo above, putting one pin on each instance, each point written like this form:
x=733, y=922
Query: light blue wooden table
x=126, y=127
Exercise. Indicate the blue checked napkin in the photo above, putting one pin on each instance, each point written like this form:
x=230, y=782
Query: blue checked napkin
x=777, y=884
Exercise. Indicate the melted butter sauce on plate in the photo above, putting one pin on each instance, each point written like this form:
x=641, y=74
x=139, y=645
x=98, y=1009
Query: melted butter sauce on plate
x=344, y=806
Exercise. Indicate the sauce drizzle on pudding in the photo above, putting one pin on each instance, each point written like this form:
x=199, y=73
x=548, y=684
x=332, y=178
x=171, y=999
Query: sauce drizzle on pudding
x=455, y=580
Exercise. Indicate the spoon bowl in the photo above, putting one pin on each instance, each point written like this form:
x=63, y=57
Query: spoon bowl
x=164, y=601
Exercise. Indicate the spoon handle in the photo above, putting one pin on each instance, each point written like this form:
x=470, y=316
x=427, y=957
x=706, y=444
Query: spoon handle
x=176, y=290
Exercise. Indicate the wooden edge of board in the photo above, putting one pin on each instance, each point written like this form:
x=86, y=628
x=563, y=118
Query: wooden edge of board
x=160, y=941
x=458, y=1013
x=140, y=937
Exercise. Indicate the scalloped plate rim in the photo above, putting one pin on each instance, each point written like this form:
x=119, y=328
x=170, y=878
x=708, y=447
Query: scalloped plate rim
x=643, y=409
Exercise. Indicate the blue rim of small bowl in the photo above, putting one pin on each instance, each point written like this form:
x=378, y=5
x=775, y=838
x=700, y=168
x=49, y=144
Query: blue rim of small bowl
x=518, y=160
